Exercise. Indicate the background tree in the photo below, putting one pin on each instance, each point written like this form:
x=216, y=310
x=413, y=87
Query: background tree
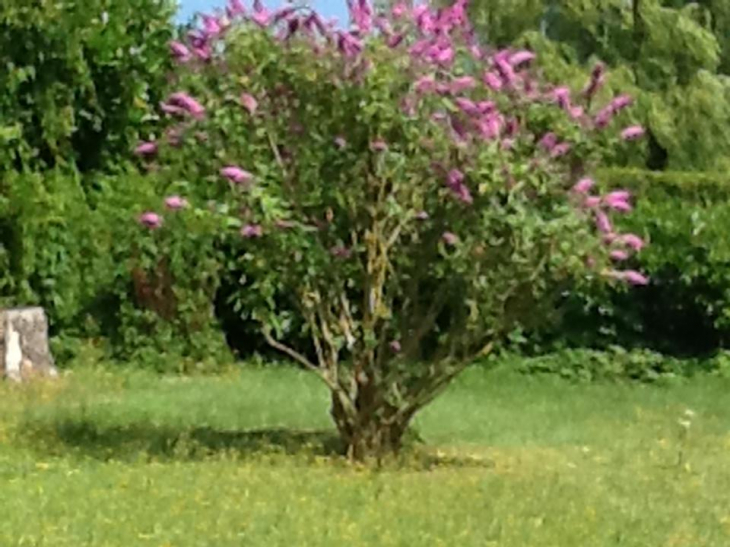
x=80, y=81
x=78, y=77
x=662, y=49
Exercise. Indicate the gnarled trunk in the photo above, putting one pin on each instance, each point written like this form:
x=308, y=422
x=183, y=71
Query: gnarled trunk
x=373, y=429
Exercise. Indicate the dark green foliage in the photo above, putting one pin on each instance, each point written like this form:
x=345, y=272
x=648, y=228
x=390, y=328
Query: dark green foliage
x=616, y=363
x=84, y=258
x=81, y=82
x=77, y=77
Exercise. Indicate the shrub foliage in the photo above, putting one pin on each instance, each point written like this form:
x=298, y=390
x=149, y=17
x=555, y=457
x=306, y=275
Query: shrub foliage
x=408, y=193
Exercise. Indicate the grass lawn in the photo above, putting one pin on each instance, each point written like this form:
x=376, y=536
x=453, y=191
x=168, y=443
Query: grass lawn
x=131, y=459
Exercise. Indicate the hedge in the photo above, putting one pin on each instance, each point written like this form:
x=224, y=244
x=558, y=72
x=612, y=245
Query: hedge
x=685, y=217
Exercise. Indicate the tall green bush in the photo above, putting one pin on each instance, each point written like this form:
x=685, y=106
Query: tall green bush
x=69, y=251
x=81, y=85
x=78, y=77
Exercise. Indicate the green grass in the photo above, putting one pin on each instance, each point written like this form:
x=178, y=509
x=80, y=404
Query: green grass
x=130, y=459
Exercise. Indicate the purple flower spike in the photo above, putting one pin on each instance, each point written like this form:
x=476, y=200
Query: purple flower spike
x=249, y=102
x=399, y=10
x=619, y=255
x=623, y=195
x=596, y=80
x=261, y=16
x=618, y=200
x=211, y=26
x=467, y=106
x=175, y=203
x=633, y=133
x=604, y=117
x=576, y=112
x=583, y=186
x=361, y=14
x=560, y=150
x=236, y=174
x=490, y=126
x=548, y=141
x=425, y=84
x=450, y=238
x=492, y=81
x=504, y=68
x=251, y=231
x=150, y=220
x=632, y=241
x=463, y=194
x=462, y=83
x=235, y=8
x=445, y=57
x=455, y=177
x=395, y=346
x=204, y=53
x=562, y=97
x=603, y=223
x=349, y=44
x=180, y=51
x=634, y=278
x=187, y=104
x=396, y=40
x=171, y=109
x=146, y=149
x=521, y=57
x=485, y=107
x=621, y=102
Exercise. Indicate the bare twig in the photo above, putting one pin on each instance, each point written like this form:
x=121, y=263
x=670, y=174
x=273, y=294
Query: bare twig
x=277, y=154
x=396, y=232
x=298, y=357
x=430, y=391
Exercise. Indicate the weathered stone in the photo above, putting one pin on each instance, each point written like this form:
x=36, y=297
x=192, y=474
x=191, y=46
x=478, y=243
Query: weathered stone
x=24, y=351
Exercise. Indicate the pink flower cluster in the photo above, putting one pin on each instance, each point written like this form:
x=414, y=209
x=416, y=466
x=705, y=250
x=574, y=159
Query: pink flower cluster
x=474, y=110
x=455, y=182
x=154, y=221
x=236, y=175
x=606, y=115
x=620, y=245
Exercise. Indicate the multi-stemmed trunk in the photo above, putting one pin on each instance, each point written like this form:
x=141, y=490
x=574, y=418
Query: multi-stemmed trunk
x=371, y=427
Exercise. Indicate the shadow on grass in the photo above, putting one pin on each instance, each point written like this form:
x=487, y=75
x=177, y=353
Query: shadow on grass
x=144, y=441
x=84, y=437
x=87, y=437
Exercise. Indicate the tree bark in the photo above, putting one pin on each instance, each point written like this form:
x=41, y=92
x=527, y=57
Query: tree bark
x=375, y=430
x=24, y=351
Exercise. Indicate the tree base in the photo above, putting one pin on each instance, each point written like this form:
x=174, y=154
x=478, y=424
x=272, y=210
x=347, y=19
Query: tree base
x=370, y=433
x=24, y=350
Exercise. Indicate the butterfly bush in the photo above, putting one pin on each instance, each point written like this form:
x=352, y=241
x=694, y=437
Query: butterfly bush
x=402, y=193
